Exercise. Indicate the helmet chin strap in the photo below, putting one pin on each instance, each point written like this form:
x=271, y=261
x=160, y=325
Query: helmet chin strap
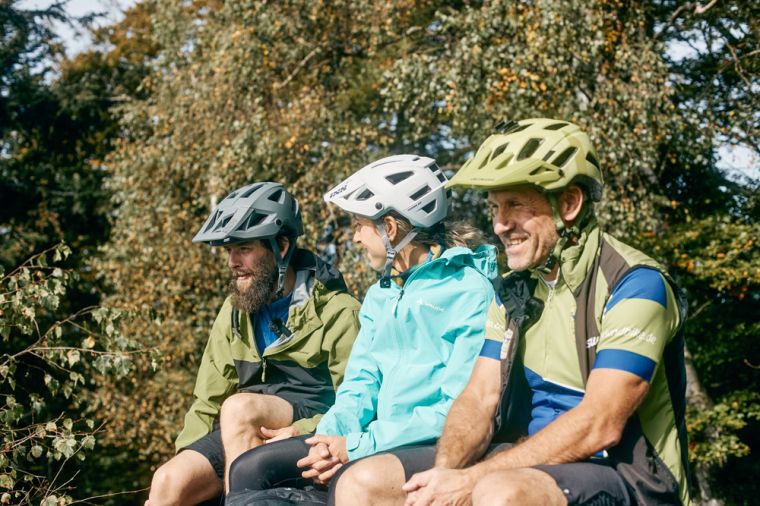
x=565, y=233
x=282, y=264
x=390, y=251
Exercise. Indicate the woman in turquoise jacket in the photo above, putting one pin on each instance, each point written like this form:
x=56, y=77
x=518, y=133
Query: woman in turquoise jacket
x=422, y=327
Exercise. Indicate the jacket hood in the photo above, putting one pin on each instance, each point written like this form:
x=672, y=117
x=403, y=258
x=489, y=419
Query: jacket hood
x=483, y=259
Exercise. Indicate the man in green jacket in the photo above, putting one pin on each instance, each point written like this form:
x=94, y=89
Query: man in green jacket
x=277, y=350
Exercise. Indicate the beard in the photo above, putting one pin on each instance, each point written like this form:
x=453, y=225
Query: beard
x=260, y=290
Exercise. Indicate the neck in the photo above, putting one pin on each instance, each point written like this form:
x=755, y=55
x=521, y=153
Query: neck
x=290, y=283
x=551, y=276
x=411, y=255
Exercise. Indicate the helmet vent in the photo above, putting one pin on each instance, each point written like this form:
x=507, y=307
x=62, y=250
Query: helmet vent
x=419, y=193
x=548, y=155
x=539, y=170
x=563, y=157
x=253, y=220
x=224, y=222
x=555, y=126
x=498, y=151
x=441, y=177
x=429, y=208
x=275, y=196
x=212, y=221
x=366, y=194
x=250, y=191
x=397, y=178
x=530, y=147
x=513, y=127
x=590, y=158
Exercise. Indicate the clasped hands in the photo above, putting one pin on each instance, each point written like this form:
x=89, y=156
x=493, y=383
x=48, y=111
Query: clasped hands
x=326, y=455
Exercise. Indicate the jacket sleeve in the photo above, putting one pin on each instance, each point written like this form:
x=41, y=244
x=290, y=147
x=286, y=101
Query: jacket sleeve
x=356, y=399
x=341, y=328
x=425, y=422
x=216, y=379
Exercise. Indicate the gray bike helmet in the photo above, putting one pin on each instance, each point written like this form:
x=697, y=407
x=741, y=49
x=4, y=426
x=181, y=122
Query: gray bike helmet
x=256, y=211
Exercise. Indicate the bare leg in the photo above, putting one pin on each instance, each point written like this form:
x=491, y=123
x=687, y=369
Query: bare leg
x=517, y=486
x=241, y=417
x=374, y=481
x=187, y=478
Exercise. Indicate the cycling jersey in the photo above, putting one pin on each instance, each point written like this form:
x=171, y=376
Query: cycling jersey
x=638, y=320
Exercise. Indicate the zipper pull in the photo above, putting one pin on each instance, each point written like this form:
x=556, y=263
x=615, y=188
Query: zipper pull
x=398, y=299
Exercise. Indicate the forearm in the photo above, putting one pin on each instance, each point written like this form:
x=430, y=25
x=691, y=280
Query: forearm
x=467, y=433
x=573, y=437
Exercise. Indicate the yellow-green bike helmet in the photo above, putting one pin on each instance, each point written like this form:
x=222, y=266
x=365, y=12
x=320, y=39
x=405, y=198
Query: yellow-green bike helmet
x=542, y=152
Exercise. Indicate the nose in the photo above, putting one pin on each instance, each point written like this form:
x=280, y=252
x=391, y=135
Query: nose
x=233, y=259
x=357, y=237
x=502, y=223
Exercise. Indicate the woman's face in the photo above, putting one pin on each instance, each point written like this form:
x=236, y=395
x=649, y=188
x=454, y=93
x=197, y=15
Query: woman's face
x=366, y=234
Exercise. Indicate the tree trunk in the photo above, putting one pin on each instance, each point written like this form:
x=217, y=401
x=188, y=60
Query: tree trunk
x=703, y=476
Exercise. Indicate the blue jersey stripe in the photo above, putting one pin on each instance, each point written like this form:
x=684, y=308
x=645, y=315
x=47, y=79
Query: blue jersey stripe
x=491, y=349
x=642, y=283
x=624, y=360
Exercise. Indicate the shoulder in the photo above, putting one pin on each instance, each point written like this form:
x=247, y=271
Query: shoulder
x=645, y=283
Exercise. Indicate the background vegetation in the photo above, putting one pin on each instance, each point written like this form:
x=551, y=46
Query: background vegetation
x=121, y=152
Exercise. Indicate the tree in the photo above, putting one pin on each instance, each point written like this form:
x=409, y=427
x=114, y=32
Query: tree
x=306, y=92
x=46, y=367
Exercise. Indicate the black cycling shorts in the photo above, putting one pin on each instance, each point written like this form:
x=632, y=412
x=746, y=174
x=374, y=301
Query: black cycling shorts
x=592, y=483
x=210, y=445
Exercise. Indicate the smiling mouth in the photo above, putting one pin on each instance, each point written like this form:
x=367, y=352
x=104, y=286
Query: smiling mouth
x=514, y=242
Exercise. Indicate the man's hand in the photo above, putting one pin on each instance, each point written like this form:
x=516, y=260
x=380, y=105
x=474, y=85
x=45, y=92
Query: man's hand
x=272, y=435
x=326, y=456
x=439, y=486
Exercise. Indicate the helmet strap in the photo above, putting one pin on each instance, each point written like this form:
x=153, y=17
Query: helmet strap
x=282, y=264
x=563, y=232
x=391, y=251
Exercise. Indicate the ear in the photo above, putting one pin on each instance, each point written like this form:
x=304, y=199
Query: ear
x=391, y=228
x=284, y=243
x=570, y=203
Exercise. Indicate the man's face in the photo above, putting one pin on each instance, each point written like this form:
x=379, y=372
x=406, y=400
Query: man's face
x=254, y=275
x=522, y=218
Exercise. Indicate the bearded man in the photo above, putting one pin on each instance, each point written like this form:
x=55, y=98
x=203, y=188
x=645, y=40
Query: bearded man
x=277, y=350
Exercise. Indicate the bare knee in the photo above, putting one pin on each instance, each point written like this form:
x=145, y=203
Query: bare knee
x=165, y=488
x=242, y=409
x=375, y=480
x=185, y=479
x=518, y=486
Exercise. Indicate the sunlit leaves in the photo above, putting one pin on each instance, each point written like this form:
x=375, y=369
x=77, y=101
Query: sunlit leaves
x=40, y=366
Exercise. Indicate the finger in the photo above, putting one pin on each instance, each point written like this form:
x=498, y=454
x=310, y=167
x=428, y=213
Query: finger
x=308, y=460
x=266, y=432
x=322, y=465
x=326, y=476
x=278, y=437
x=417, y=481
x=310, y=473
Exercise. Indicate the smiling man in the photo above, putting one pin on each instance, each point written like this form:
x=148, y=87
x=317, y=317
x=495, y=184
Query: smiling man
x=277, y=350
x=582, y=372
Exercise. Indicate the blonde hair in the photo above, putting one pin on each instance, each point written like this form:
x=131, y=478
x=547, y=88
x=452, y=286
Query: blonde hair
x=446, y=233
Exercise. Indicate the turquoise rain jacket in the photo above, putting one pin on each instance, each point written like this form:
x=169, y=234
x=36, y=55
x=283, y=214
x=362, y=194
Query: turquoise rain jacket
x=414, y=353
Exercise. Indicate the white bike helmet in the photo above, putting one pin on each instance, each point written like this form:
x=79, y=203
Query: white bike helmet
x=255, y=211
x=410, y=185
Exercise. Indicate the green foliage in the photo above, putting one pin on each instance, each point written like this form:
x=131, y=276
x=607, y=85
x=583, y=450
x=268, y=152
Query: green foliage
x=713, y=433
x=185, y=100
x=46, y=370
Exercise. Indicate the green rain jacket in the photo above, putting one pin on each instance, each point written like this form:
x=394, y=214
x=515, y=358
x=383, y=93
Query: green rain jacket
x=304, y=366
